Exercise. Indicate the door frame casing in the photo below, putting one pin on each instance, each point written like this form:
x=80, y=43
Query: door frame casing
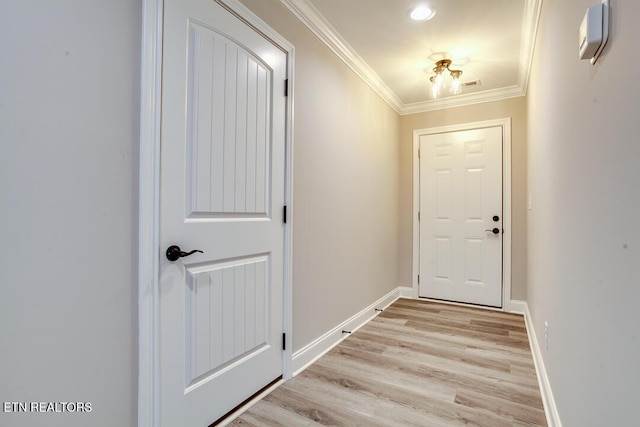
x=505, y=123
x=149, y=251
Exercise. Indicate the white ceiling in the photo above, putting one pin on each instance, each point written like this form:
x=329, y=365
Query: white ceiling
x=489, y=40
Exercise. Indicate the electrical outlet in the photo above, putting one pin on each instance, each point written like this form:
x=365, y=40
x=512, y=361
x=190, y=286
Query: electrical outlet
x=546, y=335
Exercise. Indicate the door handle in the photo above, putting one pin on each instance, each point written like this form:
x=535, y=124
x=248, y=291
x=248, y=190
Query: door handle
x=174, y=252
x=495, y=230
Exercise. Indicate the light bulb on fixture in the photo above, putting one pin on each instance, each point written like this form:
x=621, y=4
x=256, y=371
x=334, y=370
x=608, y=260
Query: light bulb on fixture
x=442, y=79
x=456, y=85
x=434, y=91
x=438, y=79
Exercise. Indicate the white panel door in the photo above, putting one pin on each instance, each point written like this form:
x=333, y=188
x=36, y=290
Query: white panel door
x=461, y=216
x=222, y=192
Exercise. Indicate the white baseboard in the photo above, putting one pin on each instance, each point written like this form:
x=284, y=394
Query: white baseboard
x=304, y=357
x=406, y=292
x=516, y=306
x=550, y=409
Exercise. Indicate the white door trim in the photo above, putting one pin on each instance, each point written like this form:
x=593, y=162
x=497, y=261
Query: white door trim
x=506, y=199
x=149, y=206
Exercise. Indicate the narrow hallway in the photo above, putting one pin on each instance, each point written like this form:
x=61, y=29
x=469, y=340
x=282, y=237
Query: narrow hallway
x=418, y=363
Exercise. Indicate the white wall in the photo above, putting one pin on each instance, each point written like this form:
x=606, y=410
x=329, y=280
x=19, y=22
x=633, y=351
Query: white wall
x=584, y=238
x=345, y=190
x=68, y=155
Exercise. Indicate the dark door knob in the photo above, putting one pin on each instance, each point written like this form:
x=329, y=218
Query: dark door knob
x=496, y=218
x=174, y=252
x=494, y=231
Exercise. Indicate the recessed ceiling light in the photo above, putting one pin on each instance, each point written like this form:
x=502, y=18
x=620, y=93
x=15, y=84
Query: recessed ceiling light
x=422, y=12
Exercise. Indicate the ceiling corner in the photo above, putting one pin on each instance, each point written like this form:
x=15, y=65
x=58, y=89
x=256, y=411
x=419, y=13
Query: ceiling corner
x=321, y=28
x=530, y=25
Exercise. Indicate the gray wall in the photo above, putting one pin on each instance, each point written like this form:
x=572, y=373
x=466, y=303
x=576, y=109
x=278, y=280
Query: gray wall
x=345, y=185
x=69, y=84
x=584, y=238
x=68, y=178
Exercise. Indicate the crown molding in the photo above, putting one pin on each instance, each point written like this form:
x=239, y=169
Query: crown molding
x=529, y=32
x=318, y=25
x=462, y=100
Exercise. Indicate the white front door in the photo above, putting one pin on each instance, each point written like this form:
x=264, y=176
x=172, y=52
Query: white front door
x=222, y=192
x=461, y=216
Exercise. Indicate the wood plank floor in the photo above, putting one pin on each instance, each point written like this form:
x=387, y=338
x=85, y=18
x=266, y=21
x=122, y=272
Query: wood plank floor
x=418, y=363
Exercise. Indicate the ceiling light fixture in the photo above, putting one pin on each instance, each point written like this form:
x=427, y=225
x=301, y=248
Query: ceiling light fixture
x=445, y=77
x=422, y=12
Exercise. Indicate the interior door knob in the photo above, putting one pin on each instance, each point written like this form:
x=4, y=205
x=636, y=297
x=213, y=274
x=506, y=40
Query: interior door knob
x=495, y=230
x=174, y=252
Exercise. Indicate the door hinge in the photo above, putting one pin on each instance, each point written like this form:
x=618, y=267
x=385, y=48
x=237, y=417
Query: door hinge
x=284, y=214
x=418, y=153
x=284, y=341
x=286, y=87
x=418, y=215
x=418, y=279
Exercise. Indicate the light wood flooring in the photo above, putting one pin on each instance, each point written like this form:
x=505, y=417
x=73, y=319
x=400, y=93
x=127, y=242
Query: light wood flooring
x=418, y=363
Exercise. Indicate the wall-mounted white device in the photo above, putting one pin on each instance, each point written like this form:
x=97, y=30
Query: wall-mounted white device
x=594, y=31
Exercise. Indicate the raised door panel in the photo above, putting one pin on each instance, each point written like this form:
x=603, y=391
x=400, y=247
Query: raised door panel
x=227, y=314
x=228, y=115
